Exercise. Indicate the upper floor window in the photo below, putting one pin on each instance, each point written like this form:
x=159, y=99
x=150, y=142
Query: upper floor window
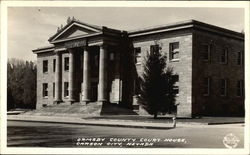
x=206, y=85
x=174, y=51
x=66, y=63
x=224, y=56
x=239, y=88
x=239, y=58
x=66, y=89
x=206, y=51
x=54, y=65
x=154, y=48
x=45, y=89
x=223, y=87
x=137, y=54
x=45, y=66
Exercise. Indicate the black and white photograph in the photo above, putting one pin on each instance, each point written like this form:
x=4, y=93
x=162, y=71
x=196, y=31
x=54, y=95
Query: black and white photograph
x=151, y=78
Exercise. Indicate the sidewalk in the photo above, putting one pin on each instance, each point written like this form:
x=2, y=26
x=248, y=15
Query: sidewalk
x=128, y=121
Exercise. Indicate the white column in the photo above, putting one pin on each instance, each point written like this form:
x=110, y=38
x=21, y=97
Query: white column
x=71, y=75
x=102, y=86
x=86, y=75
x=58, y=78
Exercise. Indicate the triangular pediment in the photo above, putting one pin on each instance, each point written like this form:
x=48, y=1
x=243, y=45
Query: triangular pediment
x=75, y=29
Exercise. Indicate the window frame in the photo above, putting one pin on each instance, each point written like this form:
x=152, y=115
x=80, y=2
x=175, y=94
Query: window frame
x=174, y=51
x=66, y=90
x=53, y=91
x=54, y=65
x=240, y=88
x=225, y=53
x=206, y=86
x=208, y=49
x=225, y=85
x=66, y=64
x=137, y=55
x=176, y=84
x=45, y=66
x=239, y=57
x=45, y=92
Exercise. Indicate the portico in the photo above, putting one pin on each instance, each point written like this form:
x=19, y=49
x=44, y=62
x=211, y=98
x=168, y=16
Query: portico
x=87, y=70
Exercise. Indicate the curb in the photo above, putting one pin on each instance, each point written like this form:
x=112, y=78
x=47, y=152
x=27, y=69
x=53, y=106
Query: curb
x=97, y=124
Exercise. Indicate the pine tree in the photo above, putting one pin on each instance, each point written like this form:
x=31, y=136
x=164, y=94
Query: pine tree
x=156, y=84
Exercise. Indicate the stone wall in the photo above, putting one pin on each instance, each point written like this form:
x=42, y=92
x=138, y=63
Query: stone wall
x=182, y=67
x=214, y=104
x=48, y=77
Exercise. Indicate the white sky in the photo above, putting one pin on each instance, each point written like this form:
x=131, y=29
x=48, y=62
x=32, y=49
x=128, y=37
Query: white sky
x=30, y=27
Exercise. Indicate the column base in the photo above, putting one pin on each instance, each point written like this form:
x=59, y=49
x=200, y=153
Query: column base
x=101, y=102
x=71, y=101
x=57, y=102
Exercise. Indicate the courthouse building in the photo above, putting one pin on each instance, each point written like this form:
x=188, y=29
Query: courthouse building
x=88, y=64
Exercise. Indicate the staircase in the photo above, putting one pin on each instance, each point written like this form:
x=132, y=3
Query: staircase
x=78, y=110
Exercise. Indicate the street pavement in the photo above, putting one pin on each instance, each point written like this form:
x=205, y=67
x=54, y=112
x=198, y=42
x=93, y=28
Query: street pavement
x=37, y=134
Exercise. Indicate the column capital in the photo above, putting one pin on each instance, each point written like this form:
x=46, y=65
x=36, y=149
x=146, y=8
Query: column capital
x=70, y=50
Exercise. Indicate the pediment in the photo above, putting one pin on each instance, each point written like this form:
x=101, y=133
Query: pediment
x=75, y=29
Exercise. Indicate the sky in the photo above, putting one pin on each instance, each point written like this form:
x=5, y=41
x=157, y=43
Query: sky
x=31, y=27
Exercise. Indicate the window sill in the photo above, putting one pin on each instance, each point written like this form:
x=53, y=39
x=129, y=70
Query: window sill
x=175, y=60
x=45, y=97
x=45, y=72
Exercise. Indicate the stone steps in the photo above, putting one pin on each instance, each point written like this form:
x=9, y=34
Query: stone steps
x=76, y=109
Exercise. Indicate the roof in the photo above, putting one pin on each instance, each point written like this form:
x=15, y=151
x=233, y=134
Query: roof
x=152, y=30
x=78, y=22
x=182, y=25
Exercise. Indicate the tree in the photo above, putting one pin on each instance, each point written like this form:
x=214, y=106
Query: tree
x=21, y=84
x=156, y=84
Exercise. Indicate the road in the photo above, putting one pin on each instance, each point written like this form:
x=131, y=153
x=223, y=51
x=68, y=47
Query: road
x=33, y=134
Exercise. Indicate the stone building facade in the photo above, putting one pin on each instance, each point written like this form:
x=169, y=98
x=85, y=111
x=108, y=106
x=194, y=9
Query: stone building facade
x=88, y=64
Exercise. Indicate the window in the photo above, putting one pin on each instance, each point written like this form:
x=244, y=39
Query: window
x=223, y=87
x=174, y=51
x=66, y=63
x=224, y=55
x=239, y=88
x=66, y=89
x=45, y=66
x=206, y=49
x=206, y=86
x=45, y=89
x=112, y=56
x=137, y=55
x=54, y=65
x=239, y=58
x=53, y=89
x=176, y=84
x=154, y=48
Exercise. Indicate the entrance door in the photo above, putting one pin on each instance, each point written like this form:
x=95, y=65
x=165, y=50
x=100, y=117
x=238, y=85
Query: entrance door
x=94, y=91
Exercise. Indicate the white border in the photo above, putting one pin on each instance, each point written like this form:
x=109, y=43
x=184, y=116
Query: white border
x=207, y=4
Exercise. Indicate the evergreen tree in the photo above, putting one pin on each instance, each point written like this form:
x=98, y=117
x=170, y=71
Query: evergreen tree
x=156, y=84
